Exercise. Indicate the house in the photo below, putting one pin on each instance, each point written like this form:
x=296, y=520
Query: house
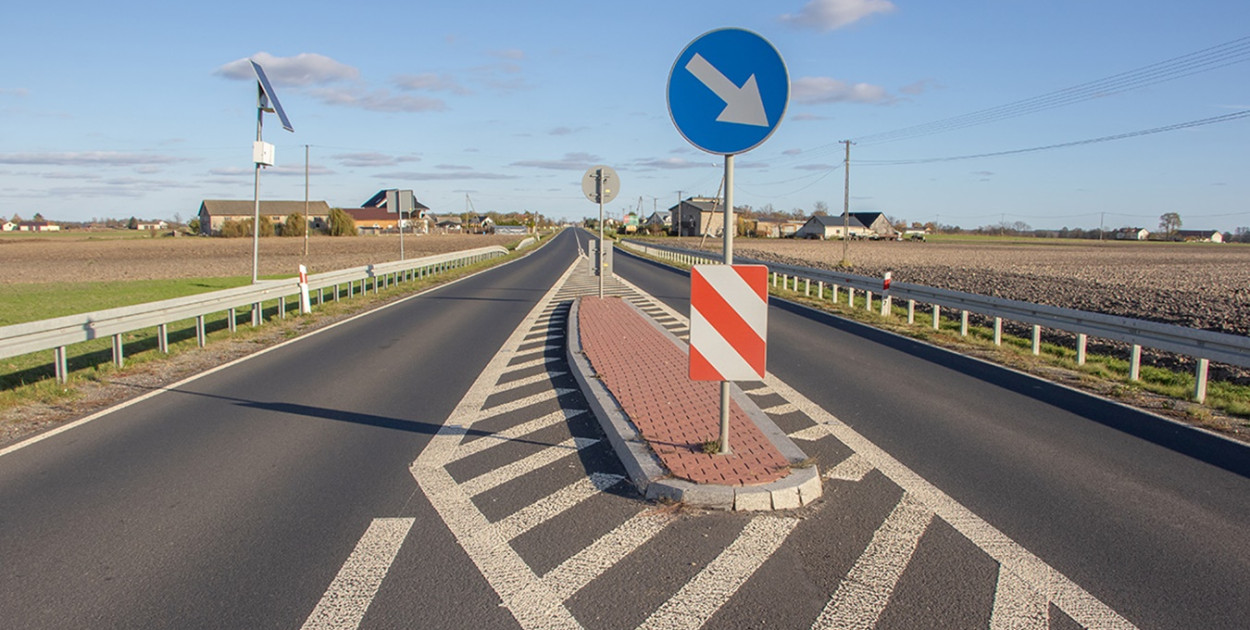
x=1131, y=234
x=8, y=226
x=214, y=212
x=449, y=223
x=148, y=225
x=512, y=230
x=419, y=212
x=1200, y=236
x=697, y=216
x=660, y=219
x=481, y=224
x=777, y=227
x=374, y=220
x=828, y=228
x=38, y=226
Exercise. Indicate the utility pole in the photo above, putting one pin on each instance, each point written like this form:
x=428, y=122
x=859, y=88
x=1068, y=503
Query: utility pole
x=306, y=225
x=846, y=205
x=1102, y=216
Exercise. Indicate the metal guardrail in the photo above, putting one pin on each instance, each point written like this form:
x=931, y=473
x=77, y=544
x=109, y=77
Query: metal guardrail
x=58, y=333
x=1203, y=345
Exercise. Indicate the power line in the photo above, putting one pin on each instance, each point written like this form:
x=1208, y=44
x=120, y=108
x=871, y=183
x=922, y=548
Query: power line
x=1132, y=134
x=1219, y=56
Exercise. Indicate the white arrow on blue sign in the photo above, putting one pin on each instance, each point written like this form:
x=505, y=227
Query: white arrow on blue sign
x=727, y=91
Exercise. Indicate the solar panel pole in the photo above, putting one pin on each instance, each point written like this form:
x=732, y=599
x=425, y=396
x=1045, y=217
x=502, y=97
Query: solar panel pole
x=260, y=119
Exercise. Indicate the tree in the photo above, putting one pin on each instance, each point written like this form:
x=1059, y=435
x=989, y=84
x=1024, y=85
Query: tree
x=822, y=209
x=38, y=216
x=233, y=229
x=341, y=223
x=194, y=226
x=294, y=225
x=1170, y=222
x=132, y=224
x=17, y=218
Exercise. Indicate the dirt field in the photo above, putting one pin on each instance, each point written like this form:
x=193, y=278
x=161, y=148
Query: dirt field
x=1201, y=285
x=68, y=258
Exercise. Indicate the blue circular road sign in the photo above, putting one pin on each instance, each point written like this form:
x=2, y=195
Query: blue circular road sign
x=727, y=91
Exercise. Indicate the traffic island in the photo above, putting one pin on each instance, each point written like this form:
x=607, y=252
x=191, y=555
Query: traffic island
x=663, y=426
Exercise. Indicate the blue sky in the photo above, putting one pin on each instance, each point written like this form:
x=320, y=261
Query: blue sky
x=126, y=109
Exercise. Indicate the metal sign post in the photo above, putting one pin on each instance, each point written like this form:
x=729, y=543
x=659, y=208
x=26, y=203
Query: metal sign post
x=262, y=152
x=727, y=92
x=600, y=185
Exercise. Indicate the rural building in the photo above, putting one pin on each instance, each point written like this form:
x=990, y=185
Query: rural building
x=660, y=219
x=777, y=227
x=696, y=216
x=148, y=225
x=859, y=225
x=518, y=230
x=1200, y=236
x=38, y=226
x=419, y=212
x=373, y=220
x=1132, y=234
x=8, y=226
x=214, y=212
x=448, y=223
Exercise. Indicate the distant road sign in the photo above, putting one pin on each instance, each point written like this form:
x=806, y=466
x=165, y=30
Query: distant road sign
x=610, y=186
x=727, y=91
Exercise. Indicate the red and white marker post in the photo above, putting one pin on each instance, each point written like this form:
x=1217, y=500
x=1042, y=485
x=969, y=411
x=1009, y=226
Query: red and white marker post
x=728, y=328
x=305, y=306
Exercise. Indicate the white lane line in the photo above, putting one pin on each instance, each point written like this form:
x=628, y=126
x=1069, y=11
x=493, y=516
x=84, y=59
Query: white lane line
x=529, y=364
x=589, y=563
x=537, y=378
x=1017, y=606
x=516, y=432
x=504, y=474
x=853, y=468
x=501, y=409
x=349, y=595
x=810, y=434
x=702, y=596
x=866, y=590
x=530, y=601
x=555, y=504
x=783, y=408
x=1073, y=600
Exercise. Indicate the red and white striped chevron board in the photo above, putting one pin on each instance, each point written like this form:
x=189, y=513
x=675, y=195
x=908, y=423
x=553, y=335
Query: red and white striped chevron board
x=728, y=322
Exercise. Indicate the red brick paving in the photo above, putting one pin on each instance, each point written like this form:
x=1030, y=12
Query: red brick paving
x=648, y=374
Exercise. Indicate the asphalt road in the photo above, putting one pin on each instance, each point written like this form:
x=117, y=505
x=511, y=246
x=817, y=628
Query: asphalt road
x=232, y=501
x=1158, y=536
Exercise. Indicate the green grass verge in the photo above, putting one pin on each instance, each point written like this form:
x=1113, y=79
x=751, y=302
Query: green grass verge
x=33, y=302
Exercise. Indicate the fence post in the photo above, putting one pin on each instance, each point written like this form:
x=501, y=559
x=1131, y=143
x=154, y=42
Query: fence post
x=1082, y=340
x=1134, y=365
x=58, y=357
x=1200, y=381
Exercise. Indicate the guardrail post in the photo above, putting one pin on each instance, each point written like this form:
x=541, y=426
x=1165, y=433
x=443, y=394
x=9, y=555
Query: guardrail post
x=1200, y=381
x=911, y=311
x=62, y=371
x=887, y=305
x=162, y=338
x=820, y=290
x=807, y=287
x=998, y=331
x=850, y=297
x=1134, y=363
x=833, y=292
x=963, y=324
x=119, y=358
x=868, y=301
x=281, y=307
x=775, y=275
x=1082, y=340
x=1037, y=340
x=232, y=319
x=200, y=337
x=937, y=317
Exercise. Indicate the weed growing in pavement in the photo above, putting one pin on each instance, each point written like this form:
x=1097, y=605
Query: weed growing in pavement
x=710, y=447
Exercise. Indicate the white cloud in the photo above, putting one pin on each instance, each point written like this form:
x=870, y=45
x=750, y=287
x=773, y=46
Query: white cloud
x=511, y=53
x=571, y=161
x=920, y=87
x=93, y=158
x=813, y=90
x=672, y=163
x=829, y=15
x=371, y=159
x=300, y=70
x=453, y=175
x=378, y=100
x=430, y=82
x=18, y=92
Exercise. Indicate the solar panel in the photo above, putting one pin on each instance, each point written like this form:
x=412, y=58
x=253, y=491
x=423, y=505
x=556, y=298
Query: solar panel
x=267, y=89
